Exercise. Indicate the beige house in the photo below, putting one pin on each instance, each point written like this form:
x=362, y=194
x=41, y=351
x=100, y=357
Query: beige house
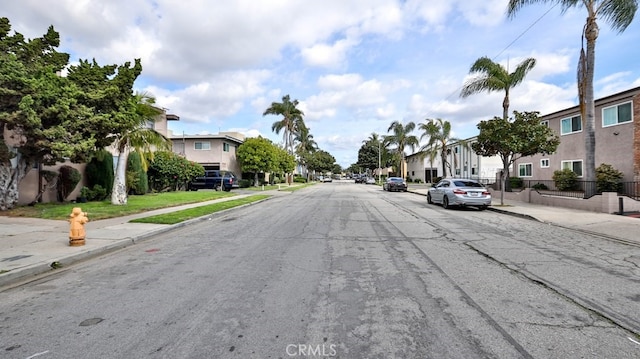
x=617, y=131
x=213, y=152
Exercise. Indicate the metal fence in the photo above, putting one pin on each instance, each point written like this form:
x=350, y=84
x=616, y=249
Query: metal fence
x=580, y=189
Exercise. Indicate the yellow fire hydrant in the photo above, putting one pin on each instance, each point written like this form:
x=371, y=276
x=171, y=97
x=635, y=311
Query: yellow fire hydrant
x=77, y=233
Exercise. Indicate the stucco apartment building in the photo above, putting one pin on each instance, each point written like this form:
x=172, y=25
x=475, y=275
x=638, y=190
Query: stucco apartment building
x=617, y=132
x=462, y=162
x=213, y=152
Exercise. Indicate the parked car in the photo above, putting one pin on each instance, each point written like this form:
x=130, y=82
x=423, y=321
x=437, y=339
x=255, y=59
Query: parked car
x=327, y=179
x=395, y=184
x=370, y=180
x=459, y=192
x=214, y=179
x=358, y=178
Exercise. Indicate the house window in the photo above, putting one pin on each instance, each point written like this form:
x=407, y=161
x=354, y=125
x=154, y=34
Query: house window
x=544, y=163
x=570, y=125
x=616, y=114
x=225, y=147
x=524, y=170
x=544, y=123
x=205, y=146
x=575, y=166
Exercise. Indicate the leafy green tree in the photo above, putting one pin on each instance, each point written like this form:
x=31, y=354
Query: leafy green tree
x=39, y=111
x=439, y=137
x=491, y=76
x=285, y=161
x=619, y=14
x=169, y=171
x=368, y=156
x=321, y=161
x=256, y=155
x=401, y=137
x=336, y=168
x=510, y=140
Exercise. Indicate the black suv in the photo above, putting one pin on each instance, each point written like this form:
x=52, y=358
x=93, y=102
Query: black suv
x=215, y=179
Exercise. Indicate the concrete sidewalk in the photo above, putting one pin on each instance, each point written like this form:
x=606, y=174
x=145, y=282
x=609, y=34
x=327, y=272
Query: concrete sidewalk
x=612, y=226
x=30, y=246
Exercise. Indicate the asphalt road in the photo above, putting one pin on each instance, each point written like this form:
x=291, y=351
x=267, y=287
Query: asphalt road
x=339, y=270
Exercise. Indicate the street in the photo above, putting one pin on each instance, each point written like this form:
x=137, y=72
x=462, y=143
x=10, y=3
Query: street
x=339, y=270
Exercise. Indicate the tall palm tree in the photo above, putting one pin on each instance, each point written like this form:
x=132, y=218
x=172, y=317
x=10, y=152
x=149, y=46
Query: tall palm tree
x=439, y=137
x=491, y=76
x=140, y=138
x=305, y=145
x=292, y=120
x=401, y=137
x=619, y=14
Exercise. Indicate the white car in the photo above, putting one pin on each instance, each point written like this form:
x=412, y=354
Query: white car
x=459, y=192
x=370, y=180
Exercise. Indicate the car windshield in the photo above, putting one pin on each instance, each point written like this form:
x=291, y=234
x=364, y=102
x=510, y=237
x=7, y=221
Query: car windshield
x=393, y=179
x=467, y=184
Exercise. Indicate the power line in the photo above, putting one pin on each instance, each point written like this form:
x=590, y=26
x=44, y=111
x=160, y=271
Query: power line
x=512, y=42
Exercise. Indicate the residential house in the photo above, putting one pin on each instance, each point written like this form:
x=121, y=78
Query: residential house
x=617, y=132
x=213, y=152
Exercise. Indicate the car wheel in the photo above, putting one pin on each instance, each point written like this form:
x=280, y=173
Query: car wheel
x=429, y=200
x=217, y=188
x=445, y=202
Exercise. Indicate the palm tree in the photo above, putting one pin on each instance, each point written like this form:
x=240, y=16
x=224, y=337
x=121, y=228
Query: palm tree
x=292, y=120
x=492, y=76
x=619, y=14
x=401, y=137
x=439, y=134
x=305, y=145
x=139, y=138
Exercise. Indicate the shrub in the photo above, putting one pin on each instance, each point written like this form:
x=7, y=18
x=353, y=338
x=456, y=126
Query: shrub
x=539, y=186
x=99, y=171
x=565, y=180
x=607, y=178
x=98, y=193
x=67, y=181
x=245, y=183
x=137, y=180
x=418, y=180
x=516, y=182
x=436, y=180
x=299, y=180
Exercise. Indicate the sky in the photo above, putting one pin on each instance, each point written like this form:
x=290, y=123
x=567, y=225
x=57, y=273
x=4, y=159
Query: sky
x=355, y=66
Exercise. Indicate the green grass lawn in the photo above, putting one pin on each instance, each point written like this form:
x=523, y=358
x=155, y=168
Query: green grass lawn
x=190, y=213
x=104, y=209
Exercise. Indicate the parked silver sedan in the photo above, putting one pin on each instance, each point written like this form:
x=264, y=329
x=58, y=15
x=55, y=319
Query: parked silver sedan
x=459, y=192
x=395, y=184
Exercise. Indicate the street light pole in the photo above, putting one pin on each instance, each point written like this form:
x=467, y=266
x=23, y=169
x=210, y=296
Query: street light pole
x=379, y=164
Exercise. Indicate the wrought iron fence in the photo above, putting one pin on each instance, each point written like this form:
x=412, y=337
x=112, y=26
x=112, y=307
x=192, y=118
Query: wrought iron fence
x=581, y=189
